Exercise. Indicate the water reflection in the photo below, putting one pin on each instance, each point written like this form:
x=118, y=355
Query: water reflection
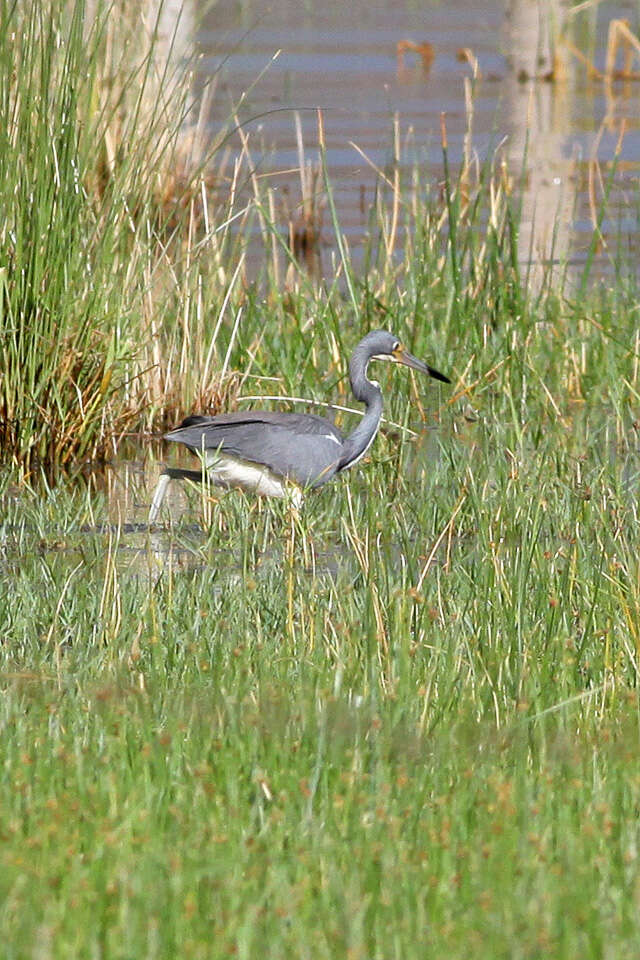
x=365, y=62
x=539, y=113
x=126, y=486
x=547, y=80
x=194, y=532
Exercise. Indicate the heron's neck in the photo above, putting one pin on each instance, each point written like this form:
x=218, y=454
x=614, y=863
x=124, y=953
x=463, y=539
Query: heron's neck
x=359, y=440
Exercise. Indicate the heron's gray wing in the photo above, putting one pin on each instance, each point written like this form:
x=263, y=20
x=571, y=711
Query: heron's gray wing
x=303, y=447
x=298, y=422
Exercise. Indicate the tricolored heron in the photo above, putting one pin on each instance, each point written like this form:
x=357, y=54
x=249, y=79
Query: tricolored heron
x=282, y=454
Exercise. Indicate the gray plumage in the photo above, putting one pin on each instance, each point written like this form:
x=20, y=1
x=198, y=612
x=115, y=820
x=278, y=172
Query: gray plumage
x=301, y=447
x=269, y=451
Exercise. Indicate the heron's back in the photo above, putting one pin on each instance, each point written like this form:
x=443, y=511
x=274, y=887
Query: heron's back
x=302, y=448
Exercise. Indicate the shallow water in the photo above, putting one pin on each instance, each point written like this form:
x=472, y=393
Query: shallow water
x=107, y=522
x=343, y=59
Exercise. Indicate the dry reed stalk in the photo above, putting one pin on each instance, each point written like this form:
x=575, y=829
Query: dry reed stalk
x=448, y=527
x=592, y=71
x=466, y=55
x=390, y=240
x=468, y=133
x=595, y=173
x=585, y=5
x=305, y=229
x=275, y=249
x=620, y=34
x=246, y=154
x=424, y=50
x=226, y=226
x=185, y=298
x=207, y=367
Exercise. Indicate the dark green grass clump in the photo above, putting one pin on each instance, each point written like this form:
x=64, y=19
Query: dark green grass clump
x=94, y=189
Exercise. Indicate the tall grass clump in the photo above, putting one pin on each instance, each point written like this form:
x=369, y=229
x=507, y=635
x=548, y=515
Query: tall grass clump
x=97, y=158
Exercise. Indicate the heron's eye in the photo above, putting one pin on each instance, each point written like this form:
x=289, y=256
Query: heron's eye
x=395, y=347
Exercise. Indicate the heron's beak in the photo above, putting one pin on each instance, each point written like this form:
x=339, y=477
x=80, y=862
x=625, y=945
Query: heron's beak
x=401, y=355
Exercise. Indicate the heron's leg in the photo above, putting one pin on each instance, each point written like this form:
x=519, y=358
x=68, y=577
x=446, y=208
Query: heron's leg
x=158, y=496
x=289, y=554
x=170, y=473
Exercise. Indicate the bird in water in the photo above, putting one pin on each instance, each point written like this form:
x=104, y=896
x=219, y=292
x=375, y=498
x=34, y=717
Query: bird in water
x=283, y=454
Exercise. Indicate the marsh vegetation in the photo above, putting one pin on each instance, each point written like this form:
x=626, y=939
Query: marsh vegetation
x=402, y=724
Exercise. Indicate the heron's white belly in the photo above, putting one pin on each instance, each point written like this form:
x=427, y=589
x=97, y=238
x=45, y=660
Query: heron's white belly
x=232, y=472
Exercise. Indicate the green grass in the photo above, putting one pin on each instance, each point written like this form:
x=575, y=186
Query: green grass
x=321, y=748
x=404, y=724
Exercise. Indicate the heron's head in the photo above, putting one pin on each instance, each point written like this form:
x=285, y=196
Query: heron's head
x=381, y=345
